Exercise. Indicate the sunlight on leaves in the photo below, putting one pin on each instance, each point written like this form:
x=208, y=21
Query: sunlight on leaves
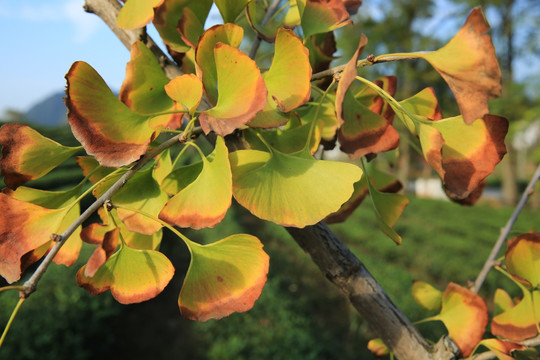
x=105, y=126
x=224, y=277
x=321, y=16
x=204, y=201
x=519, y=323
x=464, y=313
x=523, y=259
x=131, y=275
x=137, y=13
x=287, y=80
x=23, y=150
x=238, y=101
x=469, y=65
x=186, y=90
x=279, y=187
x=426, y=295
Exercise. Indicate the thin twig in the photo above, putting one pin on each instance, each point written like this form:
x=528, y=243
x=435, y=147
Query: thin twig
x=269, y=12
x=505, y=231
x=31, y=284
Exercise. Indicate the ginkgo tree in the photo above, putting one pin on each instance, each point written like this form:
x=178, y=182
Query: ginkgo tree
x=267, y=116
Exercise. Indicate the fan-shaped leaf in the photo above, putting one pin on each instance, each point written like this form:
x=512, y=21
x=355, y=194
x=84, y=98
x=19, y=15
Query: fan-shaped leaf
x=426, y=295
x=321, y=16
x=519, y=322
x=136, y=13
x=502, y=349
x=230, y=34
x=205, y=201
x=388, y=209
x=239, y=101
x=464, y=313
x=23, y=150
x=186, y=90
x=469, y=66
x=287, y=17
x=281, y=188
x=523, y=259
x=224, y=277
x=287, y=80
x=141, y=192
x=143, y=88
x=24, y=228
x=230, y=9
x=105, y=126
x=378, y=347
x=463, y=155
x=132, y=275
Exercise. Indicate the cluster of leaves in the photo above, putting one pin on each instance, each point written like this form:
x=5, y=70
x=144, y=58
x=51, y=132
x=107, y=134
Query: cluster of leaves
x=465, y=313
x=282, y=113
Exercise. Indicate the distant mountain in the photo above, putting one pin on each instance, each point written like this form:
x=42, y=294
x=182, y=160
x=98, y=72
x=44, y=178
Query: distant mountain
x=49, y=112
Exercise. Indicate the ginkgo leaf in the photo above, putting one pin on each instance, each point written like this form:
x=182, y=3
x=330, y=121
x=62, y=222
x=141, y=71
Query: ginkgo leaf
x=281, y=188
x=142, y=192
x=502, y=349
x=519, y=322
x=423, y=104
x=143, y=88
x=388, y=209
x=288, y=80
x=463, y=155
x=469, y=65
x=23, y=150
x=223, y=277
x=522, y=259
x=238, y=101
x=163, y=166
x=230, y=34
x=230, y=9
x=287, y=17
x=381, y=181
x=99, y=119
x=170, y=19
x=103, y=252
x=136, y=13
x=131, y=275
x=90, y=167
x=321, y=16
x=378, y=347
x=69, y=252
x=426, y=295
x=502, y=301
x=186, y=90
x=205, y=201
x=24, y=228
x=464, y=313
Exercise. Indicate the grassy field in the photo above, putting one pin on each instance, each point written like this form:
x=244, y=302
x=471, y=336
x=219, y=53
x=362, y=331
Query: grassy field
x=300, y=314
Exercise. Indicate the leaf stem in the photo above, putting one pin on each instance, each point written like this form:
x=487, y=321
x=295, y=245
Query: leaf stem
x=505, y=231
x=319, y=104
x=10, y=321
x=12, y=287
x=399, y=56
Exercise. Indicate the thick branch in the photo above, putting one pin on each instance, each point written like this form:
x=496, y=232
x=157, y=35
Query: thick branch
x=350, y=275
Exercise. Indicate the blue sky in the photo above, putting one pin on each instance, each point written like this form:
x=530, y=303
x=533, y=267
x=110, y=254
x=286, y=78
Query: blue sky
x=42, y=38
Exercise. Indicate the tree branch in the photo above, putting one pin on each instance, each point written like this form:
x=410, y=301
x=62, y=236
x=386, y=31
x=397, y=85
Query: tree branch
x=505, y=231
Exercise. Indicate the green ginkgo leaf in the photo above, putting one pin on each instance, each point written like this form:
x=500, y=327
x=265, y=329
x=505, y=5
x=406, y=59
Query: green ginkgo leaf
x=137, y=13
x=23, y=150
x=290, y=190
x=322, y=16
x=204, y=201
x=223, y=277
x=388, y=209
x=238, y=101
x=131, y=275
x=142, y=192
x=230, y=34
x=426, y=295
x=230, y=9
x=288, y=80
x=105, y=126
